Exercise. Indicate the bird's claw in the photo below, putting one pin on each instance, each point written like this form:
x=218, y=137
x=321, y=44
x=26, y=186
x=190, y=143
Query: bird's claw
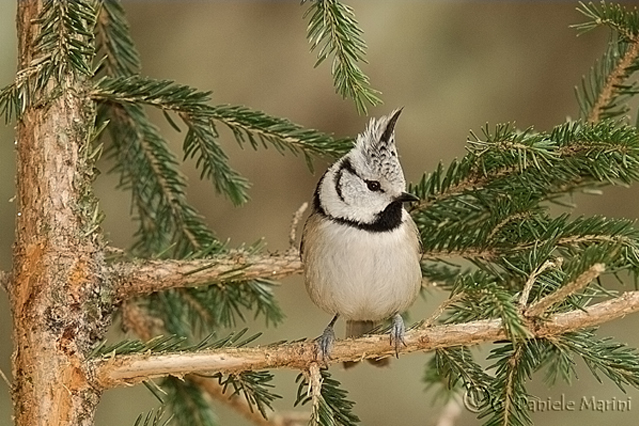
x=325, y=342
x=397, y=332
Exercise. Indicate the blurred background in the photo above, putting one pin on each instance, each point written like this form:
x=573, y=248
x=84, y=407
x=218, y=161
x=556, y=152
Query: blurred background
x=453, y=66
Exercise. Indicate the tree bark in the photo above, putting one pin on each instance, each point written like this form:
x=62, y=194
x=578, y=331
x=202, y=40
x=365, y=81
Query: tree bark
x=59, y=303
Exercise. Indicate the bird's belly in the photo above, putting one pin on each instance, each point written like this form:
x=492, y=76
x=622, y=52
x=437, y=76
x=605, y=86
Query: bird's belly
x=366, y=276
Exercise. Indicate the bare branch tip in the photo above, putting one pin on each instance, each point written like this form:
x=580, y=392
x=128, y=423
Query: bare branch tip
x=523, y=299
x=585, y=278
x=297, y=217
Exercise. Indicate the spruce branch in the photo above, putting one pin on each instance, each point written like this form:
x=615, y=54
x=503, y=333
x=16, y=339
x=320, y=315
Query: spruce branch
x=333, y=29
x=150, y=170
x=188, y=403
x=254, y=386
x=560, y=362
x=129, y=369
x=617, y=361
x=191, y=311
x=201, y=143
x=153, y=418
x=255, y=126
x=16, y=97
x=147, y=167
x=505, y=158
x=168, y=224
x=455, y=368
x=603, y=94
x=63, y=46
x=113, y=40
x=470, y=208
x=437, y=313
x=11, y=103
x=513, y=367
x=140, y=322
x=216, y=392
x=201, y=138
x=605, y=91
x=615, y=16
x=65, y=42
x=329, y=406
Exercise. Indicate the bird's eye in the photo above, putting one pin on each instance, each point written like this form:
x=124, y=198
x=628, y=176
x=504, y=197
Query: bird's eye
x=373, y=185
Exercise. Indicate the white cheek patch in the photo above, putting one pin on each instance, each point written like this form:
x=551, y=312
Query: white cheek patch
x=353, y=200
x=344, y=193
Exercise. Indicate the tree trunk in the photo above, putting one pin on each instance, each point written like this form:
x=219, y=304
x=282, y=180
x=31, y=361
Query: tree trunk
x=60, y=304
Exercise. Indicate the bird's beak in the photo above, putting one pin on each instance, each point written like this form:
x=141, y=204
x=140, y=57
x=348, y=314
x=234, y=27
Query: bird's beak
x=407, y=197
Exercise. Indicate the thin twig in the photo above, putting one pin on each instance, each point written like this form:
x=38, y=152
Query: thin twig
x=292, y=237
x=511, y=375
x=134, y=368
x=523, y=299
x=580, y=282
x=315, y=386
x=5, y=379
x=441, y=309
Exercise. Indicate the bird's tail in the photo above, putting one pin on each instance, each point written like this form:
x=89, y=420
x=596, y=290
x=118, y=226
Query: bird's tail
x=359, y=328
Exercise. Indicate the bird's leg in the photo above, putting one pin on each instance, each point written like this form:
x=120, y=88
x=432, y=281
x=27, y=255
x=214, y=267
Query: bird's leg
x=325, y=341
x=397, y=332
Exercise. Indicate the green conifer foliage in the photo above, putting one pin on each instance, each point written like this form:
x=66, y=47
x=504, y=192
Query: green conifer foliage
x=490, y=238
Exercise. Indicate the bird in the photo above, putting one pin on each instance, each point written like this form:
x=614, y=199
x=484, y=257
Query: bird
x=360, y=248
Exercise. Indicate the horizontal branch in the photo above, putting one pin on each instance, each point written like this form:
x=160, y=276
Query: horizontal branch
x=135, y=368
x=144, y=277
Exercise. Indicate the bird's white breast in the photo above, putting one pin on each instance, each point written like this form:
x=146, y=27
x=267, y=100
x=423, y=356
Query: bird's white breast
x=359, y=274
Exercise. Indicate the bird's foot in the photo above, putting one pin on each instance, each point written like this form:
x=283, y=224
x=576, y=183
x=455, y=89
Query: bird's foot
x=397, y=332
x=325, y=342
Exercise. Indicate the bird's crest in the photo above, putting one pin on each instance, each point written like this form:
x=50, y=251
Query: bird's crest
x=376, y=146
